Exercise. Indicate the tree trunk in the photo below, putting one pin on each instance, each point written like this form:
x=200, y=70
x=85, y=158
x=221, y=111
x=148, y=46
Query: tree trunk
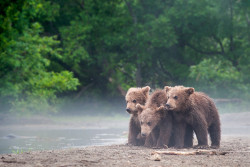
x=138, y=77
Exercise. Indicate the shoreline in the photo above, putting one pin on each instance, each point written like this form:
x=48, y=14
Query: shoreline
x=237, y=148
x=235, y=141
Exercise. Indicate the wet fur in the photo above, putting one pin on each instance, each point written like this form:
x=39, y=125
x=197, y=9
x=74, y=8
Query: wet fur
x=160, y=119
x=195, y=110
x=140, y=95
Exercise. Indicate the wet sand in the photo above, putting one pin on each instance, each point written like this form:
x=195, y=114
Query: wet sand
x=237, y=154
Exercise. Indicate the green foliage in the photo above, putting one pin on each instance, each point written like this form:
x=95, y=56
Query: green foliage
x=214, y=71
x=25, y=58
x=93, y=44
x=111, y=45
x=24, y=74
x=217, y=76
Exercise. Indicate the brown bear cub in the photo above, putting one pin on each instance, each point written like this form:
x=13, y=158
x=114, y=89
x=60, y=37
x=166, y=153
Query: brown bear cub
x=135, y=96
x=156, y=122
x=193, y=109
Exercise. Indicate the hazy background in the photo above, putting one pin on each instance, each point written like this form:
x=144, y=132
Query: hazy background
x=73, y=60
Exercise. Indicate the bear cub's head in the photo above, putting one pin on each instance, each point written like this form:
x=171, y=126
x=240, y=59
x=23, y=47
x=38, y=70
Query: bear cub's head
x=136, y=96
x=177, y=97
x=149, y=118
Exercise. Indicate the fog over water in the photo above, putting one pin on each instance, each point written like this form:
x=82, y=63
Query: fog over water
x=19, y=140
x=20, y=134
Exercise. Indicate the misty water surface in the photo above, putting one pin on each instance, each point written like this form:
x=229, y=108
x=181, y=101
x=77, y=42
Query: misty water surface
x=14, y=139
x=21, y=140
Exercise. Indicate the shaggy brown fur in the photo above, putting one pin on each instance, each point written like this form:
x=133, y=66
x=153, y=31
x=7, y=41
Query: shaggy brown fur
x=135, y=96
x=194, y=109
x=155, y=120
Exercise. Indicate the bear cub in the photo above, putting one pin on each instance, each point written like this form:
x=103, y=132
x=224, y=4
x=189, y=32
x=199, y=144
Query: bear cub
x=193, y=109
x=135, y=96
x=155, y=121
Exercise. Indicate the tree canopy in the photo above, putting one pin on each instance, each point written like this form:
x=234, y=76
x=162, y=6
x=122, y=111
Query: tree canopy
x=50, y=50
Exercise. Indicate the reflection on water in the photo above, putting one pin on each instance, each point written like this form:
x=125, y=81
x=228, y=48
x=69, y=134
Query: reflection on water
x=46, y=139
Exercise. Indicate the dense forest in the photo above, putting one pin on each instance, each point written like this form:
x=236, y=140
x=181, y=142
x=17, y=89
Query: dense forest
x=57, y=53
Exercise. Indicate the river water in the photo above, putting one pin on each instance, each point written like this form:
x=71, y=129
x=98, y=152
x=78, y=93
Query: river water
x=18, y=140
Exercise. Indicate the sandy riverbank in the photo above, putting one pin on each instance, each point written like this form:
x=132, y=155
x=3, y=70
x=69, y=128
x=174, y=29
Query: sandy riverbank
x=237, y=148
x=235, y=142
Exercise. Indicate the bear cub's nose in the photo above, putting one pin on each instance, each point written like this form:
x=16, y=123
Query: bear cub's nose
x=128, y=110
x=167, y=105
x=143, y=135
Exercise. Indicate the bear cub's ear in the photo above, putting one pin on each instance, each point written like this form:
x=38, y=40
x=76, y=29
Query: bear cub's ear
x=189, y=91
x=167, y=88
x=139, y=107
x=161, y=110
x=145, y=90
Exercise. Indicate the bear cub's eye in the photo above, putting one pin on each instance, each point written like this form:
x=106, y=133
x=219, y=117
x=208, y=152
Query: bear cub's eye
x=175, y=97
x=134, y=101
x=149, y=123
x=141, y=122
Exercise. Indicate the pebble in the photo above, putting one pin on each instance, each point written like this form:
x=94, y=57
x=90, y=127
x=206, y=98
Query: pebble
x=156, y=157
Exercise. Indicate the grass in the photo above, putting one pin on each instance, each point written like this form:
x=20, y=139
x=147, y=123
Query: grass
x=17, y=151
x=20, y=151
